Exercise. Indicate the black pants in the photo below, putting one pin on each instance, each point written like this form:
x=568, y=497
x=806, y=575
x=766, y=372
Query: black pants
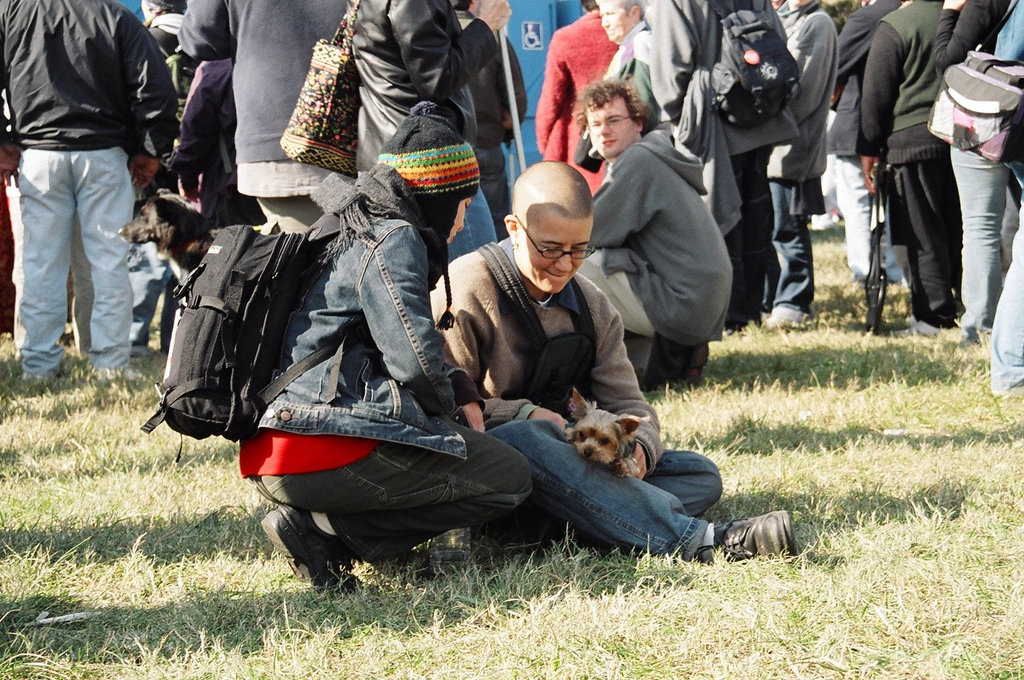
x=927, y=237
x=400, y=496
x=750, y=240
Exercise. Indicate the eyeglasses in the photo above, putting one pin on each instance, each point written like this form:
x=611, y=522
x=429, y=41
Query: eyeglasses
x=610, y=121
x=555, y=253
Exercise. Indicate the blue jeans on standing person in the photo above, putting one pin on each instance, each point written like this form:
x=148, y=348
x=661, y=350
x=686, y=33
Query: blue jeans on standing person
x=55, y=187
x=1008, y=327
x=789, y=270
x=477, y=230
x=854, y=203
x=655, y=514
x=149, y=276
x=982, y=204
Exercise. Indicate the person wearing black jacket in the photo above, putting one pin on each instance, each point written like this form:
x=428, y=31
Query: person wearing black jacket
x=92, y=112
x=852, y=197
x=963, y=26
x=900, y=84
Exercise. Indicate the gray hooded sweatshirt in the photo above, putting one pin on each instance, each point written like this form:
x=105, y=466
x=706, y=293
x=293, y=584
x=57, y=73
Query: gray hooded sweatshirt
x=650, y=222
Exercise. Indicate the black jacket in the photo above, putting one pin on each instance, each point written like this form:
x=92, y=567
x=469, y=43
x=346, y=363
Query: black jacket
x=409, y=51
x=82, y=76
x=900, y=83
x=960, y=32
x=490, y=94
x=854, y=42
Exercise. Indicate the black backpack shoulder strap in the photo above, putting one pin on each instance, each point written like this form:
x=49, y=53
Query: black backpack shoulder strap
x=507, y=278
x=585, y=322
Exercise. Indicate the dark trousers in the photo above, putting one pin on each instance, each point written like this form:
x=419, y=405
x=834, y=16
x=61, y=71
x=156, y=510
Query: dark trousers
x=789, y=266
x=927, y=237
x=494, y=183
x=749, y=242
x=400, y=496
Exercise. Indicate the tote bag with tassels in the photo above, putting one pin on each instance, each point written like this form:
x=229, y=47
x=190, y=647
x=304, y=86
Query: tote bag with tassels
x=324, y=127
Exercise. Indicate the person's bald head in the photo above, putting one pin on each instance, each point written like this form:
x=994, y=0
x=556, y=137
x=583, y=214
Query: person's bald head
x=555, y=187
x=550, y=225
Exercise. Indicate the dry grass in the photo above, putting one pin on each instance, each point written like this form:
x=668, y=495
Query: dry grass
x=903, y=473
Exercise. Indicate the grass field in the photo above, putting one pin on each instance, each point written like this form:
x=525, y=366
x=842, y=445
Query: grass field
x=904, y=475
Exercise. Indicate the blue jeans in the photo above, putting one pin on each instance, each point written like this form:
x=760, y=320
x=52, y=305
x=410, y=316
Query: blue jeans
x=854, y=202
x=982, y=204
x=655, y=514
x=149, y=276
x=478, y=228
x=789, y=269
x=55, y=187
x=1008, y=327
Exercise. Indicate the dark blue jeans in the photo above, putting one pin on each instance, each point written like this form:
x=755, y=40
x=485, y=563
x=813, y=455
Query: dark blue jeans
x=789, y=270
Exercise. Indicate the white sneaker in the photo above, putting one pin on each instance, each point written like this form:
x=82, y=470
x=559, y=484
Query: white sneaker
x=915, y=327
x=126, y=373
x=784, y=317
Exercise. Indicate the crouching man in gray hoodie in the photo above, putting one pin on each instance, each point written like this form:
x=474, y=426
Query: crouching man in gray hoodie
x=660, y=256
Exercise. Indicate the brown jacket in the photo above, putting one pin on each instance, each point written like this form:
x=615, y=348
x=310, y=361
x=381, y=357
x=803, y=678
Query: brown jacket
x=492, y=348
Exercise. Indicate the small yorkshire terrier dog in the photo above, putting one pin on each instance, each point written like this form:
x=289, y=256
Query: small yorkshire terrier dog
x=603, y=437
x=181, y=234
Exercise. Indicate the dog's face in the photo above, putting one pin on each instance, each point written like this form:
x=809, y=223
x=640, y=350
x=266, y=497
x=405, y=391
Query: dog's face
x=603, y=437
x=179, y=230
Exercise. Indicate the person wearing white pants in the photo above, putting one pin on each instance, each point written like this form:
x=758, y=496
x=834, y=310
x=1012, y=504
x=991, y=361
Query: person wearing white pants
x=55, y=187
x=92, y=111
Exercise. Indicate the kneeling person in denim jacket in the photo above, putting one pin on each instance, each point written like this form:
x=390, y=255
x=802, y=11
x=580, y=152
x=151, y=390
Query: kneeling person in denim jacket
x=549, y=236
x=362, y=452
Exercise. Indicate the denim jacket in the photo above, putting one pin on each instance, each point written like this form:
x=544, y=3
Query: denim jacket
x=388, y=380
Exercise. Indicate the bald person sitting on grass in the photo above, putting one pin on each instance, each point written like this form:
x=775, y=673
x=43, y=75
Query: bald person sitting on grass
x=525, y=400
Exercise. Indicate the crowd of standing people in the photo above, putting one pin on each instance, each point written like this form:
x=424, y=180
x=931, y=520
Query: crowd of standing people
x=653, y=226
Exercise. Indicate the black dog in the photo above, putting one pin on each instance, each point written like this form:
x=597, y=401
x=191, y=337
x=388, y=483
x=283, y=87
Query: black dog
x=179, y=231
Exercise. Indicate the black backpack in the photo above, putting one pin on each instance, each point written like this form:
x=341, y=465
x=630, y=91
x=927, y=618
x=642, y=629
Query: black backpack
x=563, y=361
x=755, y=74
x=227, y=338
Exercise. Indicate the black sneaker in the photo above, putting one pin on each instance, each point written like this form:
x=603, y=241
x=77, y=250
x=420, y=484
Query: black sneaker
x=768, y=534
x=313, y=555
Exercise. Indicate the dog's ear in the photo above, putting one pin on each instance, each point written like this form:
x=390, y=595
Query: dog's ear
x=577, y=405
x=629, y=424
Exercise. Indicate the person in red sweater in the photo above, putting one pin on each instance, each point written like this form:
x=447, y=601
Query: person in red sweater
x=578, y=54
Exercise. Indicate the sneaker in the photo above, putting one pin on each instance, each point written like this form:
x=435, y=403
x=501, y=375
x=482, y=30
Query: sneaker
x=769, y=534
x=47, y=376
x=917, y=328
x=786, y=317
x=313, y=555
x=136, y=351
x=126, y=373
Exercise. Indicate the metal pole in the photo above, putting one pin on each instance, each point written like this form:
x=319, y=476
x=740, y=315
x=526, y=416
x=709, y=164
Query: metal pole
x=517, y=129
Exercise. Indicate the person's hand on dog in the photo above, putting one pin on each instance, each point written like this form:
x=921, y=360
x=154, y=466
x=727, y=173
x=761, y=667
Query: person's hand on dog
x=143, y=168
x=541, y=413
x=640, y=458
x=10, y=155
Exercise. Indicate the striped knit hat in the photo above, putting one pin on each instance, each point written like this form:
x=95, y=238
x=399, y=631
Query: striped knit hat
x=439, y=167
x=431, y=156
